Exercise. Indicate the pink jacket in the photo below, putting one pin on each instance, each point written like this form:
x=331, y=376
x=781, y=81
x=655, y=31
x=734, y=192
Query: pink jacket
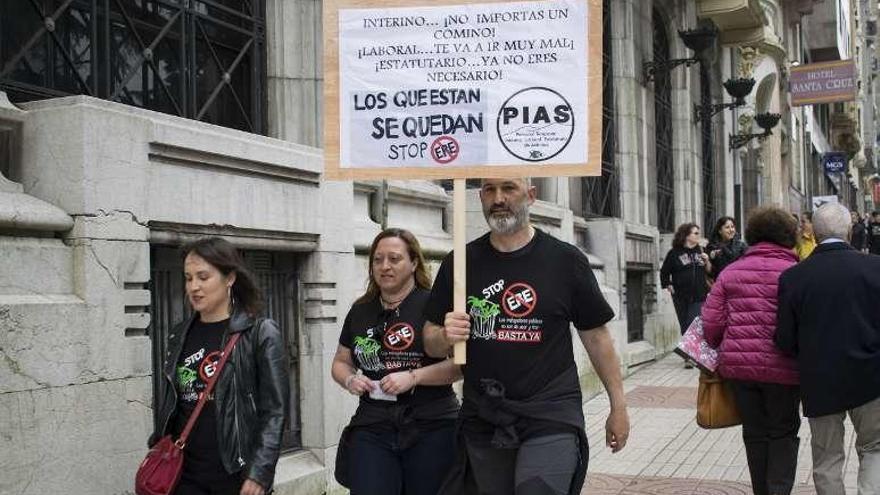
x=740, y=316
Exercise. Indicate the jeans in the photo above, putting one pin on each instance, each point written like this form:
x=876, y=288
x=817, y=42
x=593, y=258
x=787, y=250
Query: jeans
x=771, y=419
x=686, y=311
x=829, y=454
x=542, y=465
x=380, y=467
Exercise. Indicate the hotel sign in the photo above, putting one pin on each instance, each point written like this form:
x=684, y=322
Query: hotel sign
x=825, y=82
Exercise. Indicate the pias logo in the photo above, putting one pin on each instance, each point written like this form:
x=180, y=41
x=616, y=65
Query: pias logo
x=535, y=124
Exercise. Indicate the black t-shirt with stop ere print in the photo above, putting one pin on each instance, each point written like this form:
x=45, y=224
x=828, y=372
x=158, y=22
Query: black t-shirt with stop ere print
x=387, y=341
x=195, y=367
x=522, y=305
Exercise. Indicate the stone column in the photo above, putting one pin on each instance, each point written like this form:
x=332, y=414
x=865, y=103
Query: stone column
x=294, y=70
x=633, y=109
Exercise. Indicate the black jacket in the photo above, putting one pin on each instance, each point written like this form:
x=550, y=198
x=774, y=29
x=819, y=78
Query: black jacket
x=729, y=252
x=683, y=269
x=828, y=317
x=859, y=236
x=251, y=396
x=874, y=238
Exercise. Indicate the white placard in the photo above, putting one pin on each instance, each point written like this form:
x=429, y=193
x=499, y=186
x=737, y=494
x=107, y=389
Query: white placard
x=464, y=85
x=821, y=200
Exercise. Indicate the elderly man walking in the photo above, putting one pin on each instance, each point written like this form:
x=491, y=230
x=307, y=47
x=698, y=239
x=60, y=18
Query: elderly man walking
x=828, y=317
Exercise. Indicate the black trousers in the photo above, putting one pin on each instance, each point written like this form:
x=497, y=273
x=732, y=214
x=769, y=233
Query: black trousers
x=771, y=419
x=686, y=311
x=380, y=467
x=190, y=485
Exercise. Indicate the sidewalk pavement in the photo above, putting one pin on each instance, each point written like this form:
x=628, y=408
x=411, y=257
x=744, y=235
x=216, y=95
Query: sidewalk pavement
x=667, y=453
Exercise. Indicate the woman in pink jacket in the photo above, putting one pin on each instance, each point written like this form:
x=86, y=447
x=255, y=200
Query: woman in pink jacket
x=739, y=318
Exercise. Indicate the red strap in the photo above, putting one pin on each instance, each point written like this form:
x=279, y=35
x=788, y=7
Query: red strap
x=203, y=398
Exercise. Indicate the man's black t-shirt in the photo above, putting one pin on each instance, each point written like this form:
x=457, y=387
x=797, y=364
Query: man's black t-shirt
x=197, y=364
x=387, y=341
x=522, y=304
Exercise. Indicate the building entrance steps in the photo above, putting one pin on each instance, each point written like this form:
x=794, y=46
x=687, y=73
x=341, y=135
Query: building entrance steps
x=667, y=453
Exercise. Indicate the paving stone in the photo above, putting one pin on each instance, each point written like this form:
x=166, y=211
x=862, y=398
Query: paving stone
x=667, y=453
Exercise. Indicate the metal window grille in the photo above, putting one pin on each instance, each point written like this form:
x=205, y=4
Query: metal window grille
x=708, y=146
x=280, y=288
x=663, y=131
x=601, y=195
x=636, y=292
x=200, y=59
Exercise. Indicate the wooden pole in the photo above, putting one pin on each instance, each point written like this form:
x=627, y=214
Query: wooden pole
x=383, y=206
x=459, y=274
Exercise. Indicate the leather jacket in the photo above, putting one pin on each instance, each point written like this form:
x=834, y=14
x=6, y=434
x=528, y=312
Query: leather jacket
x=251, y=396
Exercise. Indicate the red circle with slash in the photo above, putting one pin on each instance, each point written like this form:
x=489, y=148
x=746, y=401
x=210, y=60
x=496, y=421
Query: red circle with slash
x=519, y=300
x=399, y=337
x=444, y=150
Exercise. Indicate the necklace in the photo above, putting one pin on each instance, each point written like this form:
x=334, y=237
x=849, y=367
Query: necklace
x=388, y=303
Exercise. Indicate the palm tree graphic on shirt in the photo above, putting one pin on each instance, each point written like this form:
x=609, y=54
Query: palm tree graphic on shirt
x=484, y=312
x=367, y=352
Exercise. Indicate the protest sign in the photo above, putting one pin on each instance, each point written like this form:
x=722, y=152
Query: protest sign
x=460, y=89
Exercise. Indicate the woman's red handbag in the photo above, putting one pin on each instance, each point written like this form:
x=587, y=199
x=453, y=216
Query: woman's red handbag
x=160, y=470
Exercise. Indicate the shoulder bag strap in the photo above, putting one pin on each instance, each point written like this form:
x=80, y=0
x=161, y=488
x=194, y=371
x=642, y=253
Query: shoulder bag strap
x=203, y=398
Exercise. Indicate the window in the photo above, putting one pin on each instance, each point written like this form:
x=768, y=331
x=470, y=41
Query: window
x=600, y=196
x=708, y=151
x=637, y=281
x=200, y=59
x=663, y=131
x=276, y=276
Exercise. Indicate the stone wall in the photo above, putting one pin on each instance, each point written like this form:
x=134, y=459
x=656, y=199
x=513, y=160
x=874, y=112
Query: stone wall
x=75, y=359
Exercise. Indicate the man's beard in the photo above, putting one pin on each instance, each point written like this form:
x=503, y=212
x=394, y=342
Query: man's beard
x=508, y=222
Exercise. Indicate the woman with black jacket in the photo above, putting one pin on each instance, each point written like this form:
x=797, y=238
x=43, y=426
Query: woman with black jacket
x=684, y=272
x=234, y=446
x=859, y=238
x=401, y=439
x=724, y=247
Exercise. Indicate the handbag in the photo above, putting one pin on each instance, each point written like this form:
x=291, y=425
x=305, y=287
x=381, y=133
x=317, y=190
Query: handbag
x=716, y=407
x=693, y=346
x=160, y=470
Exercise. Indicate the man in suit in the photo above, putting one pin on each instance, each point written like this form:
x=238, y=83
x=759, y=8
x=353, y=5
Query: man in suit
x=829, y=318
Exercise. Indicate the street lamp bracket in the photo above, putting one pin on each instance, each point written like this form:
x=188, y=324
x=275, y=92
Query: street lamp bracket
x=697, y=40
x=737, y=88
x=767, y=121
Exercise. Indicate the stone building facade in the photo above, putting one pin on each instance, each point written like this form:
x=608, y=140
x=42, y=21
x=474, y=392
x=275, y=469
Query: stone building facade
x=95, y=196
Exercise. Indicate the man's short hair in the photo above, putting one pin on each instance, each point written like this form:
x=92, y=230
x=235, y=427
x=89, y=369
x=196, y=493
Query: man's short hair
x=832, y=220
x=771, y=224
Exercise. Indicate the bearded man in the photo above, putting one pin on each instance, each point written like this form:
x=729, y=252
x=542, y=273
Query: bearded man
x=522, y=424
